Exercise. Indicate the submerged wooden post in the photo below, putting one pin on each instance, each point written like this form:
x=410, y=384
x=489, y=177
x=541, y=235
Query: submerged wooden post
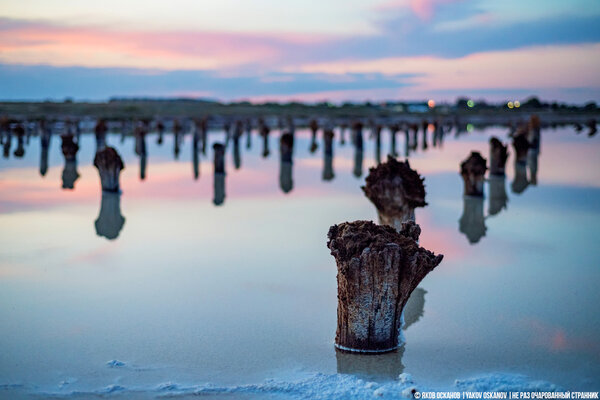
x=396, y=190
x=521, y=146
x=472, y=171
x=109, y=166
x=378, y=268
x=286, y=149
x=328, y=173
x=69, y=149
x=498, y=156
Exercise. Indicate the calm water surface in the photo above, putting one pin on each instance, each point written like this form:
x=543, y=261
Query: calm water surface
x=191, y=294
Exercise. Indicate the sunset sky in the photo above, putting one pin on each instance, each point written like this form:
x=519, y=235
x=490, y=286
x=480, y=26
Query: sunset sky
x=299, y=50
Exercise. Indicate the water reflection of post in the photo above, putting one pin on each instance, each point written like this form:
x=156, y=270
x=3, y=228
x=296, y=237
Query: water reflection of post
x=497, y=177
x=176, y=138
x=160, y=127
x=264, y=130
x=140, y=148
x=396, y=190
x=393, y=128
x=383, y=366
x=521, y=147
x=425, y=128
x=100, y=132
x=203, y=127
x=314, y=128
x=195, y=153
x=377, y=134
x=343, y=127
x=357, y=141
x=532, y=164
x=6, y=136
x=69, y=149
x=110, y=221
x=237, y=134
x=20, y=134
x=472, y=222
x=45, y=139
x=414, y=137
x=286, y=149
x=219, y=174
x=387, y=274
x=248, y=128
x=328, y=173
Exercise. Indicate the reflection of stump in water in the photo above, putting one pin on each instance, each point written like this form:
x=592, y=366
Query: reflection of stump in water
x=45, y=146
x=314, y=127
x=19, y=132
x=110, y=221
x=425, y=127
x=195, y=154
x=377, y=134
x=533, y=134
x=264, y=130
x=472, y=171
x=109, y=166
x=472, y=221
x=377, y=367
x=286, y=149
x=100, y=132
x=160, y=127
x=237, y=158
x=498, y=157
x=378, y=269
x=396, y=190
x=328, y=173
x=357, y=141
x=248, y=128
x=69, y=149
x=414, y=140
x=532, y=164
x=219, y=174
x=343, y=128
x=498, y=197
x=393, y=128
x=520, y=181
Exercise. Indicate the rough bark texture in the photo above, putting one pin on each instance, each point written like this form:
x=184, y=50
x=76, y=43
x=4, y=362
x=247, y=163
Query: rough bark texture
x=109, y=166
x=498, y=157
x=472, y=171
x=378, y=268
x=396, y=190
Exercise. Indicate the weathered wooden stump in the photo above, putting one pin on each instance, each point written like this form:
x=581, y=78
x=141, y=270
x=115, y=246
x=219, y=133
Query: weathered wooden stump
x=396, y=190
x=498, y=157
x=378, y=268
x=109, y=165
x=521, y=146
x=472, y=171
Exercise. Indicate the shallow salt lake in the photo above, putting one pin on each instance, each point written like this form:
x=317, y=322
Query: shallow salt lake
x=239, y=300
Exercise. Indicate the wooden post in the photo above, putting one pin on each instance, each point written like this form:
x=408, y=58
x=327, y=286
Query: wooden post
x=472, y=171
x=219, y=174
x=69, y=150
x=109, y=166
x=378, y=268
x=396, y=190
x=498, y=156
x=286, y=149
x=328, y=173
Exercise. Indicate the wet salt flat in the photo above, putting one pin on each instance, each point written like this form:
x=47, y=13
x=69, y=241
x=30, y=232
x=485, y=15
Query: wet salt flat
x=239, y=300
